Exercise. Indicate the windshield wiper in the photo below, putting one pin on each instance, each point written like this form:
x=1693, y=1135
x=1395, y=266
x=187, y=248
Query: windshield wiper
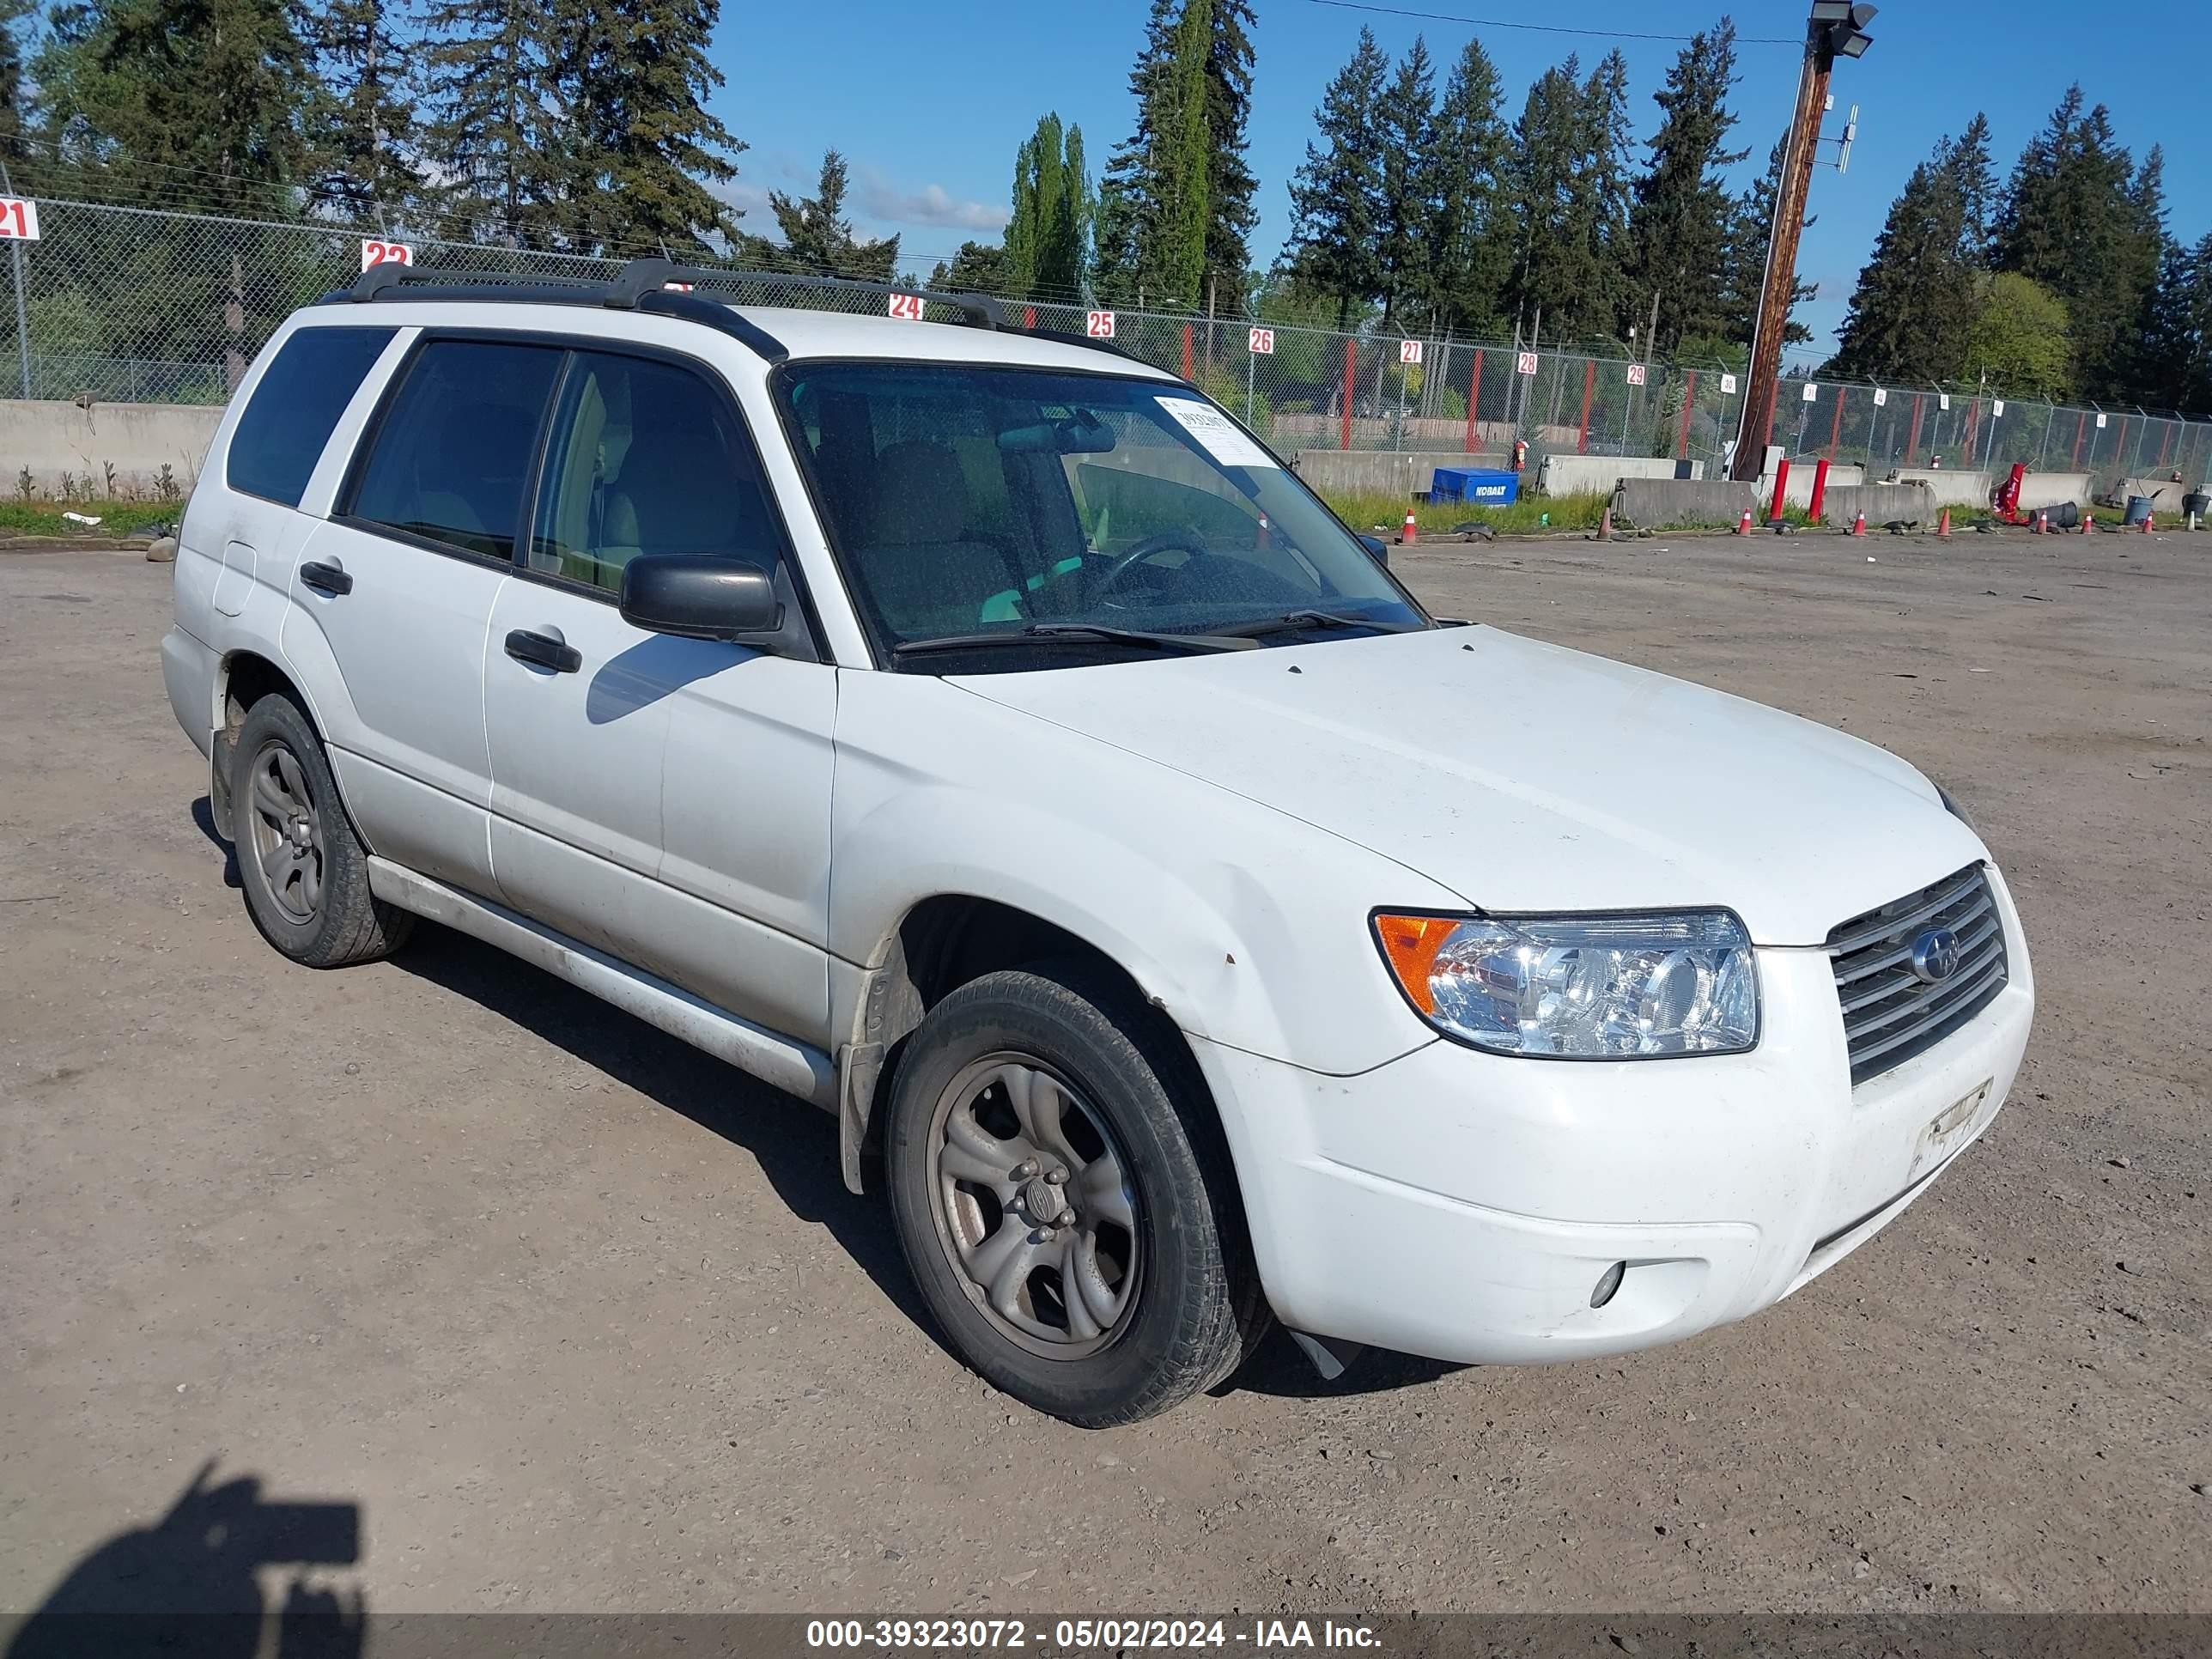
x=1035, y=631
x=1314, y=619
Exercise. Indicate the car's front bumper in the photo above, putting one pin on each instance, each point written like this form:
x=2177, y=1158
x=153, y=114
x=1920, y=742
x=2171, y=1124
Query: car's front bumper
x=1464, y=1205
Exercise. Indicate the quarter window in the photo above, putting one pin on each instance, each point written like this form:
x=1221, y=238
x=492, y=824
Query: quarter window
x=647, y=456
x=295, y=407
x=453, y=451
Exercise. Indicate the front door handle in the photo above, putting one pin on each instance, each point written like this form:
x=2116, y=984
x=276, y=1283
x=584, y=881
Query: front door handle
x=543, y=651
x=329, y=579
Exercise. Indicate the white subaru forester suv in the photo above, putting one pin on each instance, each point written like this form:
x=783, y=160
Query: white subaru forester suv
x=980, y=735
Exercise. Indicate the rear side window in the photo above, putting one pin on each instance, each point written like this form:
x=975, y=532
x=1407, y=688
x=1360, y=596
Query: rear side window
x=281, y=434
x=454, y=445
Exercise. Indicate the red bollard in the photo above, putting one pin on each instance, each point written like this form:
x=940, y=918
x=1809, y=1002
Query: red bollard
x=1781, y=489
x=1819, y=491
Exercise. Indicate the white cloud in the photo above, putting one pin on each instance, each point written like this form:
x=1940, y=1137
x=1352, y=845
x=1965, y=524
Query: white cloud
x=932, y=204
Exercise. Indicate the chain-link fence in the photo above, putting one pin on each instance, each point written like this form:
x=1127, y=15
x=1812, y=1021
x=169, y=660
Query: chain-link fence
x=120, y=304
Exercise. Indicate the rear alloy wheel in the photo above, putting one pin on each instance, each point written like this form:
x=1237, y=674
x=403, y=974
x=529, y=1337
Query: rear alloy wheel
x=304, y=871
x=1063, y=1198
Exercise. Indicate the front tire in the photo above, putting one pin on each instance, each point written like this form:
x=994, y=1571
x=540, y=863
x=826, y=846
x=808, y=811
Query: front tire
x=1063, y=1199
x=304, y=872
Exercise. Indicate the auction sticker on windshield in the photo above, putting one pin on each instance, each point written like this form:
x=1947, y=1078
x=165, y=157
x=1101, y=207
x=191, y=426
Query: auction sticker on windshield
x=1220, y=436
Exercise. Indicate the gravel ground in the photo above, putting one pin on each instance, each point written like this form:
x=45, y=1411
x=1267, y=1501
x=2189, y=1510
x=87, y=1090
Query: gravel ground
x=574, y=1319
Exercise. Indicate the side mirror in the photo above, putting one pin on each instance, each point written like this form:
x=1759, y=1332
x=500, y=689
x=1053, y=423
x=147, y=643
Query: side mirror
x=697, y=595
x=1377, y=548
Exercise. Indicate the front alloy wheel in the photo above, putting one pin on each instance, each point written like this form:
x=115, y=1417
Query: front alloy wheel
x=1062, y=1195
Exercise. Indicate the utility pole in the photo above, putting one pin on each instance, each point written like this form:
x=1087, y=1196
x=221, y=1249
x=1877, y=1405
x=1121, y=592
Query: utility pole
x=1836, y=30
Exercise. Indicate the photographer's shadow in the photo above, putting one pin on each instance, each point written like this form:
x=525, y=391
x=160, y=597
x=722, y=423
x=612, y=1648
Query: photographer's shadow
x=188, y=1586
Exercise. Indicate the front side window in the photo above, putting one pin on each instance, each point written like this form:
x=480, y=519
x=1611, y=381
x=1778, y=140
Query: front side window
x=964, y=499
x=295, y=407
x=647, y=456
x=450, y=453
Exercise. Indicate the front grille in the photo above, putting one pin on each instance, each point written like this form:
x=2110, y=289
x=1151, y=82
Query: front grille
x=1890, y=1013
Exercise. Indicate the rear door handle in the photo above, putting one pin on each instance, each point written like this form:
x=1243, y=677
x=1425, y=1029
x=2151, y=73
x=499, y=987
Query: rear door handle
x=329, y=579
x=543, y=651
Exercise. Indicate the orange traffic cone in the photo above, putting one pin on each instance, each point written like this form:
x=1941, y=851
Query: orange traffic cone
x=1605, y=526
x=1943, y=526
x=2042, y=523
x=1858, y=524
x=1411, y=529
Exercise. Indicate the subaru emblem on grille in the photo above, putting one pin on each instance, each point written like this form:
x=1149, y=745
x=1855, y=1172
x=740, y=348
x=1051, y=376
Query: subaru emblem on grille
x=1935, y=956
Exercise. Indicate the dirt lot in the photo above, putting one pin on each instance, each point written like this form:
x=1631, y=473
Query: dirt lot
x=576, y=1320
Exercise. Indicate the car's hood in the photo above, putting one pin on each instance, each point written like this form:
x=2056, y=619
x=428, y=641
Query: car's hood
x=1529, y=777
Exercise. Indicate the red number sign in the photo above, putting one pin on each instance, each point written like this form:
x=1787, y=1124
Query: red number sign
x=19, y=220
x=1636, y=375
x=1261, y=343
x=1525, y=362
x=907, y=307
x=1098, y=325
x=374, y=252
x=1409, y=351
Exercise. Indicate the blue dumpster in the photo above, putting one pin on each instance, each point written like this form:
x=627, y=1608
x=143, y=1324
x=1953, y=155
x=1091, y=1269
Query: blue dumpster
x=1478, y=486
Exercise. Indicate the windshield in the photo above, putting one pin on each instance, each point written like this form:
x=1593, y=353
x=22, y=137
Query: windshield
x=966, y=503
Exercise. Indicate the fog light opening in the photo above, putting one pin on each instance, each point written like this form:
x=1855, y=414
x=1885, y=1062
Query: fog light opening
x=1608, y=1282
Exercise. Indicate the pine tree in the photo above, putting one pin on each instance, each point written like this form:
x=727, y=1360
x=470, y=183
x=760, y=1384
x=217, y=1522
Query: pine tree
x=635, y=77
x=1179, y=251
x=1048, y=238
x=1603, y=188
x=1913, y=311
x=491, y=140
x=977, y=268
x=1229, y=185
x=1472, y=236
x=1127, y=196
x=818, y=238
x=14, y=115
x=1407, y=205
x=1977, y=186
x=1336, y=196
x=198, y=104
x=1569, y=172
x=1679, y=224
x=361, y=124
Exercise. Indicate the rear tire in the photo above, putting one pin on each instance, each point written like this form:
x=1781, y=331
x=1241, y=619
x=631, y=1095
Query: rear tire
x=1024, y=1093
x=304, y=872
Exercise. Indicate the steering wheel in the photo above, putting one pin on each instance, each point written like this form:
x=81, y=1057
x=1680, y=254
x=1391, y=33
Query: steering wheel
x=1187, y=537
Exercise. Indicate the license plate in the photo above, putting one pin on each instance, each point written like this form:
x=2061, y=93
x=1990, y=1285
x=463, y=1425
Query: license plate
x=1950, y=1129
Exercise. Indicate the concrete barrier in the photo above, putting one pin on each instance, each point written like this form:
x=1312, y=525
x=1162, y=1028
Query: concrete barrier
x=1380, y=472
x=1882, y=503
x=1684, y=503
x=1950, y=486
x=1590, y=475
x=120, y=448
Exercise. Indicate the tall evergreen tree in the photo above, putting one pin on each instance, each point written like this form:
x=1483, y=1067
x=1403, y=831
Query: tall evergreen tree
x=646, y=151
x=1407, y=205
x=1048, y=237
x=1972, y=166
x=361, y=131
x=15, y=114
x=1603, y=183
x=1472, y=236
x=1569, y=182
x=1230, y=186
x=818, y=238
x=198, y=104
x=1336, y=196
x=491, y=139
x=1679, y=224
x=1913, y=311
x=1153, y=215
x=2073, y=220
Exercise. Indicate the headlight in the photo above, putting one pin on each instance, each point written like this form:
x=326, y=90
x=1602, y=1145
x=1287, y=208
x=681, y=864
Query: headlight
x=1580, y=988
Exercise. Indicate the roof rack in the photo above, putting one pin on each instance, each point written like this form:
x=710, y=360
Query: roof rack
x=645, y=285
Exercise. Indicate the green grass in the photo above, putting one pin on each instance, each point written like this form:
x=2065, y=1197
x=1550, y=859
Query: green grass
x=1366, y=511
x=41, y=517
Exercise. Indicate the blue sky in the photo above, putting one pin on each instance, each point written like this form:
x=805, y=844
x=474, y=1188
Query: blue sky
x=928, y=103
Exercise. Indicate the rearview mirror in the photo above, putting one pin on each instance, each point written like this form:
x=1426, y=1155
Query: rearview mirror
x=1377, y=549
x=697, y=595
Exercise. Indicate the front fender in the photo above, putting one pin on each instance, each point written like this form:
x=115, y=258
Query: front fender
x=1248, y=926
